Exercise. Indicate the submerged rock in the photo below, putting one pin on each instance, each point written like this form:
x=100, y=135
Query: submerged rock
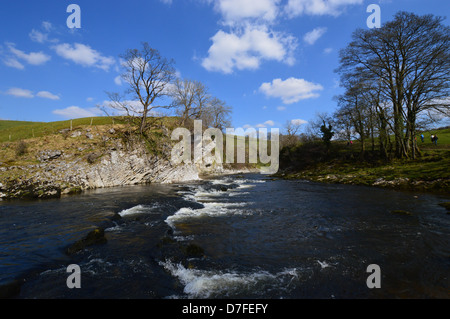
x=95, y=237
x=169, y=248
x=72, y=190
x=116, y=217
x=446, y=205
x=401, y=212
x=193, y=250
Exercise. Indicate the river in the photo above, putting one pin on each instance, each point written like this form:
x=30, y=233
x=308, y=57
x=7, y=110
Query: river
x=237, y=236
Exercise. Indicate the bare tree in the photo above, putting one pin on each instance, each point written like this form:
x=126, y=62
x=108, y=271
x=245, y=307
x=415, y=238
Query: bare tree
x=217, y=114
x=194, y=102
x=291, y=133
x=148, y=76
x=189, y=97
x=410, y=59
x=356, y=111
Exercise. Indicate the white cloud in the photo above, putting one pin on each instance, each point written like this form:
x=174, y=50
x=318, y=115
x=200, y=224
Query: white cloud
x=47, y=25
x=13, y=63
x=238, y=11
x=298, y=122
x=281, y=108
x=84, y=55
x=47, y=95
x=14, y=57
x=260, y=125
x=314, y=35
x=90, y=99
x=18, y=92
x=318, y=7
x=327, y=50
x=38, y=36
x=41, y=36
x=250, y=42
x=290, y=90
x=247, y=49
x=250, y=39
x=72, y=112
x=34, y=58
x=118, y=80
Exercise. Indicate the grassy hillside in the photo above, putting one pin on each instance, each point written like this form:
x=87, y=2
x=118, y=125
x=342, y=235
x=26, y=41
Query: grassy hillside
x=443, y=139
x=40, y=136
x=11, y=131
x=6, y=124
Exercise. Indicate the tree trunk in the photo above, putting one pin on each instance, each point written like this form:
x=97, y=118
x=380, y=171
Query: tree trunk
x=383, y=141
x=143, y=121
x=412, y=125
x=398, y=131
x=363, y=146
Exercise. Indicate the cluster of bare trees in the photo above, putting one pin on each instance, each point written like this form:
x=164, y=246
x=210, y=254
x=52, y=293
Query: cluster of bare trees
x=192, y=101
x=291, y=134
x=394, y=76
x=151, y=82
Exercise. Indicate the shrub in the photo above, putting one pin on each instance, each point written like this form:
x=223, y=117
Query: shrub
x=21, y=148
x=91, y=158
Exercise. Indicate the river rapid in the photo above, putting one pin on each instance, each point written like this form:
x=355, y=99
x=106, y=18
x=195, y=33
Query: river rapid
x=236, y=236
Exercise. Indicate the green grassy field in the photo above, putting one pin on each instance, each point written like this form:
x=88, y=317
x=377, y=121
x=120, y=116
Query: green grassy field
x=19, y=130
x=443, y=138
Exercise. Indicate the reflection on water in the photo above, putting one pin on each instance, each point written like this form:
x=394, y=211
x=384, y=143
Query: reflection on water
x=231, y=237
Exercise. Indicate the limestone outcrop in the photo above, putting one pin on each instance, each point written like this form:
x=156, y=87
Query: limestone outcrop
x=58, y=173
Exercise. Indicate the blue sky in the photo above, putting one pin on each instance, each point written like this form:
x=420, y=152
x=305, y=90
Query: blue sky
x=271, y=60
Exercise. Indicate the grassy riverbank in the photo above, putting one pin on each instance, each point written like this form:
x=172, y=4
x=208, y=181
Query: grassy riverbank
x=88, y=139
x=342, y=163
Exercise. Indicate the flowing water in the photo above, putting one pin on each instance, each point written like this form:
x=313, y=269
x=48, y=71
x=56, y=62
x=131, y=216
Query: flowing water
x=241, y=236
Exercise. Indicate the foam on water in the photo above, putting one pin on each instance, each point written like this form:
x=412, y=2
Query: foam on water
x=222, y=182
x=213, y=283
x=213, y=201
x=245, y=186
x=115, y=228
x=246, y=181
x=231, y=194
x=183, y=238
x=139, y=209
x=200, y=192
x=209, y=210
